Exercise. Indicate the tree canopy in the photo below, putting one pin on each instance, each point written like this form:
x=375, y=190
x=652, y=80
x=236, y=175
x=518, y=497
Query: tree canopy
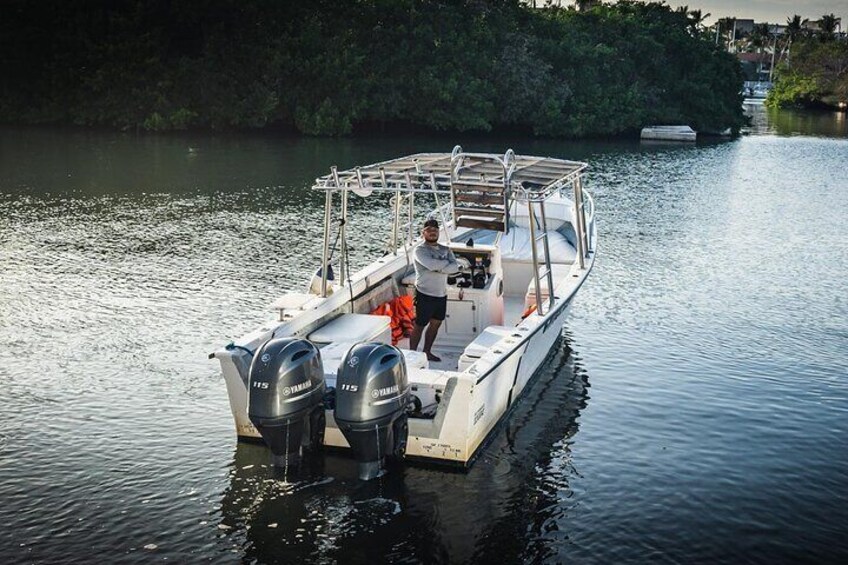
x=325, y=67
x=816, y=72
x=816, y=75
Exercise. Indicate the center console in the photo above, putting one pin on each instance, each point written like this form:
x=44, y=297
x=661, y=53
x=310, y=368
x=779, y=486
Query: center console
x=475, y=295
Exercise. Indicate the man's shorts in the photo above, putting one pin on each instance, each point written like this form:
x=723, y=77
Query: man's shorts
x=429, y=308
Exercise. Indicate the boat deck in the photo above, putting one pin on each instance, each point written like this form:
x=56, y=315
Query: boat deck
x=449, y=356
x=513, y=308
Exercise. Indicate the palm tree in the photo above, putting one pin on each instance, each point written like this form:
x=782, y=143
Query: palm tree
x=585, y=5
x=726, y=29
x=827, y=25
x=760, y=36
x=793, y=32
x=695, y=19
x=793, y=27
x=698, y=18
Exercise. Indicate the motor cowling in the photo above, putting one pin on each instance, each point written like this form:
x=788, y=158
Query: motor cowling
x=285, y=398
x=372, y=393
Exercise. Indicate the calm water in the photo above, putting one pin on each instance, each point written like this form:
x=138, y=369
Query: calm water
x=696, y=409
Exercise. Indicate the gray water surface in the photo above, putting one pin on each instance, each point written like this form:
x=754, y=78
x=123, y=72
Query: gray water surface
x=695, y=410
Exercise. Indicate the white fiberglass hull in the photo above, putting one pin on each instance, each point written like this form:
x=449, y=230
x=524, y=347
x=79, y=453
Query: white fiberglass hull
x=472, y=402
x=524, y=229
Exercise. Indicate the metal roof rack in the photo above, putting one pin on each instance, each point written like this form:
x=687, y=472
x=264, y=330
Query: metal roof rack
x=522, y=177
x=481, y=187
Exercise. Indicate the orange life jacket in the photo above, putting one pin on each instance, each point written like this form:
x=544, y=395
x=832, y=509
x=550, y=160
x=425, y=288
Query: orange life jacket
x=401, y=311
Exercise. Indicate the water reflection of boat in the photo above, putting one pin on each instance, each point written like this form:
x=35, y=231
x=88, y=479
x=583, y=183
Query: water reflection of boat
x=321, y=512
x=520, y=227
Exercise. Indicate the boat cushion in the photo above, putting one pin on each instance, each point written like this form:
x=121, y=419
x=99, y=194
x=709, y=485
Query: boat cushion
x=355, y=328
x=558, y=211
x=487, y=338
x=515, y=246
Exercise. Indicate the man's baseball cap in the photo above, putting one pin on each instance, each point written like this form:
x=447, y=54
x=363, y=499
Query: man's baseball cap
x=431, y=223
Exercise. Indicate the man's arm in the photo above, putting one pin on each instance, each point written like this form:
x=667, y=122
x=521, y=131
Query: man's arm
x=453, y=265
x=435, y=264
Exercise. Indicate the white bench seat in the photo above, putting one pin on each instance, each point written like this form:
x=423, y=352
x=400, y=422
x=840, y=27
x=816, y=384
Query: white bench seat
x=354, y=328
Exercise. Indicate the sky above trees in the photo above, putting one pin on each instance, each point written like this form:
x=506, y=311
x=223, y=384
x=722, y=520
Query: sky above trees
x=771, y=11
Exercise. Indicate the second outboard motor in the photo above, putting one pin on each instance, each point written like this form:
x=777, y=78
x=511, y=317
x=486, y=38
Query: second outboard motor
x=285, y=402
x=372, y=394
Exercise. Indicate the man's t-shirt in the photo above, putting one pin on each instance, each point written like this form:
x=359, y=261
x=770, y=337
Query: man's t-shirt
x=433, y=263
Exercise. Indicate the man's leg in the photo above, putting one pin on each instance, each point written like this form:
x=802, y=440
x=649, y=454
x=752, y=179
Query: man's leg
x=415, y=336
x=429, y=338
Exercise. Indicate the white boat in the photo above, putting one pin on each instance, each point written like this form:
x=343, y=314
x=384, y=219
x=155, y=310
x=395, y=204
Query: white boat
x=523, y=224
x=668, y=133
x=754, y=91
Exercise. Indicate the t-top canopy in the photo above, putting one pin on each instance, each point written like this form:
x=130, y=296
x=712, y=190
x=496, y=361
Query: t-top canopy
x=523, y=176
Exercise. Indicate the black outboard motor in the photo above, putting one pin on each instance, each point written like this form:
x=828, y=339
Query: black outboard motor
x=371, y=399
x=286, y=391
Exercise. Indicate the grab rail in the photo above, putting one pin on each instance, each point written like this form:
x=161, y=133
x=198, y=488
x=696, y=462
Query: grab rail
x=590, y=217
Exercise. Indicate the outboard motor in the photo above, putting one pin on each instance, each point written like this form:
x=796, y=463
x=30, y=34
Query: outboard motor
x=372, y=394
x=286, y=392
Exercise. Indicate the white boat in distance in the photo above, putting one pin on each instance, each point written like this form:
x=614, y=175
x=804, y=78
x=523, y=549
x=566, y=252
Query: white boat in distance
x=324, y=372
x=668, y=133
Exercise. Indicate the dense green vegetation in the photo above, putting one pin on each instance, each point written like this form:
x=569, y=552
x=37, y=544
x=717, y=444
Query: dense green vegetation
x=327, y=67
x=816, y=75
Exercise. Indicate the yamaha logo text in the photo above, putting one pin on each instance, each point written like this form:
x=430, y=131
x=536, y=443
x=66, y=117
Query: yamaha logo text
x=378, y=392
x=296, y=388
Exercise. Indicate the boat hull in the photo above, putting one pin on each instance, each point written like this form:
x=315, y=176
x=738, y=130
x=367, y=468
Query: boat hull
x=472, y=402
x=532, y=271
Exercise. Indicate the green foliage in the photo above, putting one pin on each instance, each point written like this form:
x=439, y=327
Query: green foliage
x=178, y=120
x=326, y=67
x=795, y=90
x=325, y=119
x=828, y=23
x=816, y=75
x=633, y=64
x=793, y=27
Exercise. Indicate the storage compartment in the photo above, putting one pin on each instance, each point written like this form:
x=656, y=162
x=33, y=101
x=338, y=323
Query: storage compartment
x=460, y=318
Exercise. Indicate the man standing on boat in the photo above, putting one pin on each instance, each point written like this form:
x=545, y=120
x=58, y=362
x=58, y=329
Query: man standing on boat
x=433, y=263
